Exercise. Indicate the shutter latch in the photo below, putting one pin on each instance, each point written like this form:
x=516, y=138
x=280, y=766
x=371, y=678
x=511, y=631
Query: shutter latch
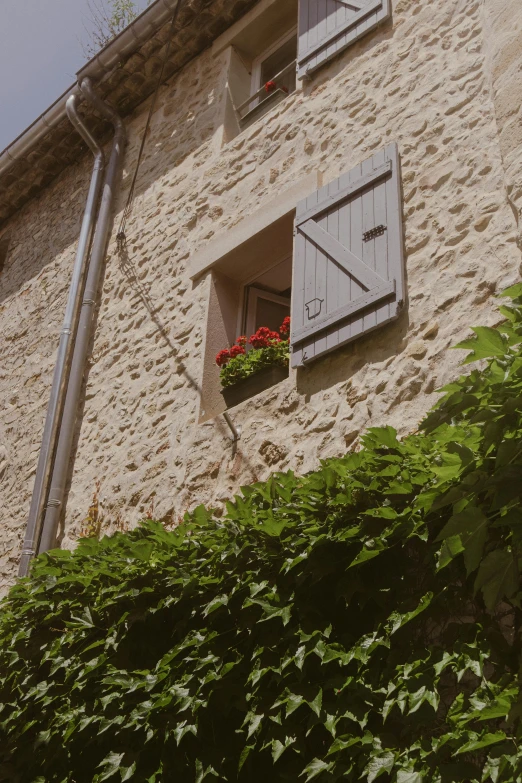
x=378, y=231
x=313, y=308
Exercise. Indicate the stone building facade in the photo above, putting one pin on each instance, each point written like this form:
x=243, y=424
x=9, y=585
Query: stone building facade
x=443, y=81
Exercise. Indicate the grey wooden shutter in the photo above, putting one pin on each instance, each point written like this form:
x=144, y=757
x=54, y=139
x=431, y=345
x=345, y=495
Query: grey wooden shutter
x=326, y=27
x=348, y=274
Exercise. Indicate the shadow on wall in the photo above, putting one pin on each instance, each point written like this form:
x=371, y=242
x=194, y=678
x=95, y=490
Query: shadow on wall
x=45, y=229
x=180, y=125
x=341, y=365
x=138, y=287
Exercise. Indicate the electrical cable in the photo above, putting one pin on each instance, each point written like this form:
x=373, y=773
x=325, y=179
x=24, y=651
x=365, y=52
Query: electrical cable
x=121, y=235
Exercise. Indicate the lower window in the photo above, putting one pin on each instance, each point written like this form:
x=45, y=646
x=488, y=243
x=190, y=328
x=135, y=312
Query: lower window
x=247, y=348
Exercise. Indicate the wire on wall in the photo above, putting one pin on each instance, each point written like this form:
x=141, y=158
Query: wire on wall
x=121, y=235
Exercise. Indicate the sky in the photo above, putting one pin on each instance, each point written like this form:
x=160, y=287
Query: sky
x=40, y=52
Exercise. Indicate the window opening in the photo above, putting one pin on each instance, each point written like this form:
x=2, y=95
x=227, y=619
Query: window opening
x=264, y=308
x=273, y=78
x=266, y=300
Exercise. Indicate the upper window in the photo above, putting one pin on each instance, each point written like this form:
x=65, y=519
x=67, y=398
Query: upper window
x=273, y=78
x=261, y=51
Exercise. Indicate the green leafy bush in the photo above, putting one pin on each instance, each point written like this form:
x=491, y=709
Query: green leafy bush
x=362, y=622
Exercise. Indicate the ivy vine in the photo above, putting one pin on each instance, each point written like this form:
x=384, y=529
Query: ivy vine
x=362, y=622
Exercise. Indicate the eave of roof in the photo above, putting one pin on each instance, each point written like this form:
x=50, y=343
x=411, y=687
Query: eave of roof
x=125, y=72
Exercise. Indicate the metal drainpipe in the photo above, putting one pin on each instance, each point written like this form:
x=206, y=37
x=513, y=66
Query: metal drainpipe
x=63, y=457
x=63, y=360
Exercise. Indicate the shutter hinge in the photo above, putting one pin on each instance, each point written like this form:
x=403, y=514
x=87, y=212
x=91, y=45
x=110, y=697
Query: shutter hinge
x=378, y=231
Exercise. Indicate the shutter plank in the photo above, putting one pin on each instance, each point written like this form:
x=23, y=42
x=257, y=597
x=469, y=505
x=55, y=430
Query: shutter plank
x=381, y=242
x=310, y=278
x=368, y=248
x=304, y=24
x=395, y=238
x=321, y=284
x=344, y=332
x=353, y=186
x=361, y=303
x=355, y=20
x=357, y=290
x=353, y=275
x=344, y=257
x=334, y=273
x=329, y=26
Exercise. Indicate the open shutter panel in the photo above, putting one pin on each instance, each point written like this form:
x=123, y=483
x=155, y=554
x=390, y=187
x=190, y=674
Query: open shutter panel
x=348, y=276
x=326, y=27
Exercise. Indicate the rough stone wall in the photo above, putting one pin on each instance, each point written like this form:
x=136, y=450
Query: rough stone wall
x=503, y=30
x=33, y=292
x=430, y=81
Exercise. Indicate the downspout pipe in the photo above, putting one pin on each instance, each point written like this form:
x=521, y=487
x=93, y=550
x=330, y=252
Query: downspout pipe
x=64, y=451
x=63, y=360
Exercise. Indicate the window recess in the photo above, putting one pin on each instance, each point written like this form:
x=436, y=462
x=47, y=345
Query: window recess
x=261, y=51
x=249, y=275
x=273, y=78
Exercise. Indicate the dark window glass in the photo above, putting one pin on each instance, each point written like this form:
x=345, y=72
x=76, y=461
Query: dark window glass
x=271, y=314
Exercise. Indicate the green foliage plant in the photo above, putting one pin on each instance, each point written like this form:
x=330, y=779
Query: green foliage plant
x=362, y=622
x=257, y=359
x=268, y=349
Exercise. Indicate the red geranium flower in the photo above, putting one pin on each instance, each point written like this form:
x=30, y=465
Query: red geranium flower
x=236, y=350
x=285, y=326
x=241, y=341
x=223, y=357
x=260, y=338
x=264, y=337
x=270, y=86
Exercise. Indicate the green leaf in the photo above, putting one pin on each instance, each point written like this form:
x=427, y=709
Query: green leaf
x=112, y=763
x=451, y=547
x=497, y=577
x=468, y=532
x=127, y=773
x=216, y=603
x=488, y=342
x=379, y=765
x=382, y=436
x=482, y=742
x=514, y=291
x=404, y=776
x=317, y=702
x=278, y=747
x=315, y=768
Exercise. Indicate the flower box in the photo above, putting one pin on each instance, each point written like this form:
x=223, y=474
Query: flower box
x=254, y=384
